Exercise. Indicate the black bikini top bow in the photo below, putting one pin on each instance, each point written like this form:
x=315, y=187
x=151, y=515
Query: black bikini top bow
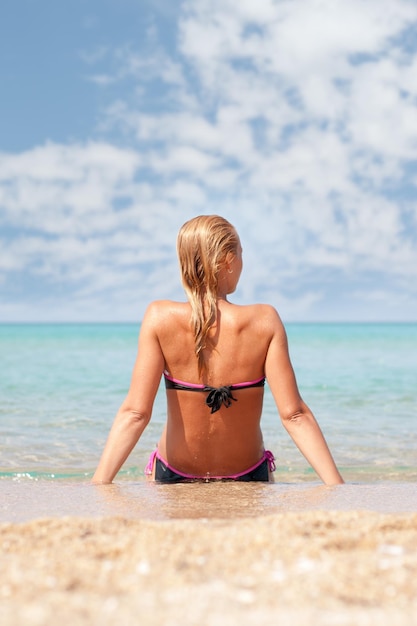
x=218, y=396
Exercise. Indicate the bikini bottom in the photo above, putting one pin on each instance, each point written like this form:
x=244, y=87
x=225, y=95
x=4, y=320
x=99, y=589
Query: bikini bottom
x=165, y=473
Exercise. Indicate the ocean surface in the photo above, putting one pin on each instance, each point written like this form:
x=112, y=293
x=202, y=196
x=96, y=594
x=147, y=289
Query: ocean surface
x=61, y=385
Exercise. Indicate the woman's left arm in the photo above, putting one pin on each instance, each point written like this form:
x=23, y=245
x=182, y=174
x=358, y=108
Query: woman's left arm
x=296, y=416
x=136, y=410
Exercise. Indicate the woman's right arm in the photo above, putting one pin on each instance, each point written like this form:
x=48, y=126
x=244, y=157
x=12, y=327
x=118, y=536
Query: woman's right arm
x=296, y=417
x=135, y=412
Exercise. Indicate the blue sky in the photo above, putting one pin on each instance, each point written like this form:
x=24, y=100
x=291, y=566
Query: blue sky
x=295, y=119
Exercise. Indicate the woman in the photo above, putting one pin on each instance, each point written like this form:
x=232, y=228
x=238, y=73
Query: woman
x=214, y=356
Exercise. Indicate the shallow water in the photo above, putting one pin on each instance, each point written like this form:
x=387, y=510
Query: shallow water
x=23, y=501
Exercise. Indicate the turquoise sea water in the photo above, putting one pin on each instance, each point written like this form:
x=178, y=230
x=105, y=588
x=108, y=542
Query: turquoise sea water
x=61, y=385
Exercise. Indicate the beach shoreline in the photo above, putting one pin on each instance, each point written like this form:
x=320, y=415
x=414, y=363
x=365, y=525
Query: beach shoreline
x=25, y=500
x=321, y=567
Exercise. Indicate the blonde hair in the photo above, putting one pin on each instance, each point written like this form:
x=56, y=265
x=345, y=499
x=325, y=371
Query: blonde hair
x=203, y=244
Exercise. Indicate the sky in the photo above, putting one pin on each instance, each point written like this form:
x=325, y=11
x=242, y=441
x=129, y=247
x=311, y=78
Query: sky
x=294, y=119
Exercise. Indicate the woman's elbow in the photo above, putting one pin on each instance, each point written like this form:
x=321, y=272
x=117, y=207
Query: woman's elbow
x=134, y=418
x=294, y=416
x=141, y=418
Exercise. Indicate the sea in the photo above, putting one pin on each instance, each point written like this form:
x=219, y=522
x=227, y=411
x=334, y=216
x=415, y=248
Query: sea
x=61, y=385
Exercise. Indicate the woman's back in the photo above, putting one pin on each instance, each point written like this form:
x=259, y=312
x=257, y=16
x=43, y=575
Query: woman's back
x=239, y=341
x=195, y=440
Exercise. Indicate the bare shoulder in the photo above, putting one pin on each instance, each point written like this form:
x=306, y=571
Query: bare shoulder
x=160, y=309
x=162, y=314
x=266, y=311
x=264, y=316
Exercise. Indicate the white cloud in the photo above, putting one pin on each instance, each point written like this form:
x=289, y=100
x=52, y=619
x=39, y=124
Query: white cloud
x=297, y=120
x=69, y=162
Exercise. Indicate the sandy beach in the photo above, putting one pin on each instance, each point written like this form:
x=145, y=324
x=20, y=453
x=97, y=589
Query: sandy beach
x=289, y=568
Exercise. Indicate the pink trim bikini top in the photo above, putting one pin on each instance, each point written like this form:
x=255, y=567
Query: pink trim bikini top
x=216, y=396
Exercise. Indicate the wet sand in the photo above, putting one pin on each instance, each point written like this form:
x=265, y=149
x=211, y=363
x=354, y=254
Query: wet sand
x=209, y=555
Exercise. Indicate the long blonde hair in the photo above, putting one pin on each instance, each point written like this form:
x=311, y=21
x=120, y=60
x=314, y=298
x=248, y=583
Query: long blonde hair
x=203, y=244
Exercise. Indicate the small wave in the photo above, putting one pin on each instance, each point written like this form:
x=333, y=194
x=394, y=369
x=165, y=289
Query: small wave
x=37, y=475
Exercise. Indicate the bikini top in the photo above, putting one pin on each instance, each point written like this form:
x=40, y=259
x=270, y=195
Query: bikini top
x=216, y=396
